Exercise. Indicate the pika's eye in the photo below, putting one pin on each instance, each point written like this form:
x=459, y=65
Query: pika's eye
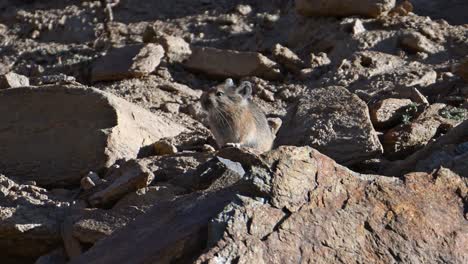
x=219, y=94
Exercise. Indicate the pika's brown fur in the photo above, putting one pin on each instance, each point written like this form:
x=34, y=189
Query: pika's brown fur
x=234, y=119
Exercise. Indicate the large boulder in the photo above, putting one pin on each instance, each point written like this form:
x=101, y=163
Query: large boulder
x=231, y=64
x=335, y=122
x=56, y=134
x=344, y=217
x=367, y=8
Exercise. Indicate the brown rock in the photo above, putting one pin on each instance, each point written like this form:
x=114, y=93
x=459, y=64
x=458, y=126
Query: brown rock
x=11, y=80
x=49, y=152
x=288, y=58
x=449, y=151
x=130, y=177
x=164, y=147
x=177, y=49
x=405, y=139
x=341, y=215
x=335, y=122
x=127, y=62
x=462, y=69
x=367, y=8
x=231, y=64
x=388, y=112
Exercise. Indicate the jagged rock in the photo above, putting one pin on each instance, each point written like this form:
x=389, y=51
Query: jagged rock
x=168, y=167
x=231, y=64
x=288, y=58
x=127, y=62
x=372, y=74
x=172, y=230
x=417, y=42
x=335, y=122
x=345, y=216
x=207, y=173
x=177, y=49
x=129, y=177
x=367, y=8
x=449, y=151
x=91, y=131
x=407, y=138
x=11, y=80
x=30, y=220
x=388, y=112
x=149, y=196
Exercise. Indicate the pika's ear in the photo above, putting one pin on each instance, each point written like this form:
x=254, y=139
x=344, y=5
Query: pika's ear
x=245, y=89
x=229, y=83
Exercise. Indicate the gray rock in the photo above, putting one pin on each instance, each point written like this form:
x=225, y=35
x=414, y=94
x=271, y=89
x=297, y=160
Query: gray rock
x=417, y=42
x=30, y=220
x=57, y=256
x=335, y=122
x=127, y=62
x=367, y=8
x=11, y=80
x=288, y=58
x=231, y=64
x=41, y=143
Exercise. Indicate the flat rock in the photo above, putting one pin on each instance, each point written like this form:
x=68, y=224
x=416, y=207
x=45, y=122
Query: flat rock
x=340, y=8
x=91, y=131
x=335, y=122
x=11, y=80
x=127, y=62
x=388, y=112
x=231, y=64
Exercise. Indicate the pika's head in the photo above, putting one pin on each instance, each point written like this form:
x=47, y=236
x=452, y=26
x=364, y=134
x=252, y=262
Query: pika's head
x=227, y=96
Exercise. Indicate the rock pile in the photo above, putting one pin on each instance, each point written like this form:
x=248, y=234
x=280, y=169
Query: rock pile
x=106, y=154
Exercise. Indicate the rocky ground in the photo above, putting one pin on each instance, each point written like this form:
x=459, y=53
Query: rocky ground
x=105, y=155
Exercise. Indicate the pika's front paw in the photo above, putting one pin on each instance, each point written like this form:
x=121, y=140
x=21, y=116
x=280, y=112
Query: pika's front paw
x=232, y=145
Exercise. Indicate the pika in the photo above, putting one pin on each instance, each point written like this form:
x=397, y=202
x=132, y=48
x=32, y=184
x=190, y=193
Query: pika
x=234, y=119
